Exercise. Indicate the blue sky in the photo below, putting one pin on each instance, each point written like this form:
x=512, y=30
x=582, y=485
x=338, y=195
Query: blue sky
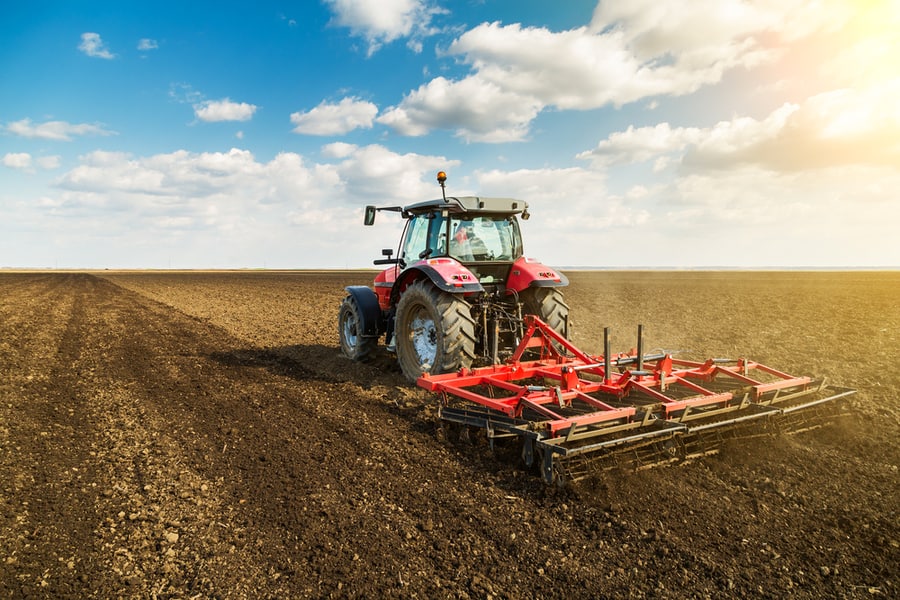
x=684, y=133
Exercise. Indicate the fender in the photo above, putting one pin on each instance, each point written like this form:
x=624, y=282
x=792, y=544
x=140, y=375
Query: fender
x=447, y=274
x=528, y=272
x=369, y=310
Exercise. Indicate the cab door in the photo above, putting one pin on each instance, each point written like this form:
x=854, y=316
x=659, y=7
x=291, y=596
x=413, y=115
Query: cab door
x=425, y=238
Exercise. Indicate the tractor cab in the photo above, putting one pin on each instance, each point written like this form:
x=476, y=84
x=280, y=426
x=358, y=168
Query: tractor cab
x=480, y=233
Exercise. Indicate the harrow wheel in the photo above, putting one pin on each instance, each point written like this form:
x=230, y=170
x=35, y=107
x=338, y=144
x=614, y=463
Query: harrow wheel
x=434, y=330
x=353, y=344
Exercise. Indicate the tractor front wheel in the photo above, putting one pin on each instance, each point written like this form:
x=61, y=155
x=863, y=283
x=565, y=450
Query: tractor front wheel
x=435, y=331
x=354, y=344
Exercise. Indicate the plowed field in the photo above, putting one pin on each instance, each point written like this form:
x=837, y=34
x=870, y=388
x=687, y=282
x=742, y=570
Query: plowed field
x=199, y=435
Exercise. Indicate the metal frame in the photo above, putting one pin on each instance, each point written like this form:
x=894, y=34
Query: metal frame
x=565, y=403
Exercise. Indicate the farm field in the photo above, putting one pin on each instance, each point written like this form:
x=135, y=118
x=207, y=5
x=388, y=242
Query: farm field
x=199, y=434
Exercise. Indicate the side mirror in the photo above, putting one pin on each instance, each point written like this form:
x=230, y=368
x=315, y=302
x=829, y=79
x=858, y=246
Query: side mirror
x=370, y=215
x=386, y=261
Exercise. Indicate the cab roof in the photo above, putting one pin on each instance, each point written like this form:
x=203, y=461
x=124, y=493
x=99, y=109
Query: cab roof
x=469, y=204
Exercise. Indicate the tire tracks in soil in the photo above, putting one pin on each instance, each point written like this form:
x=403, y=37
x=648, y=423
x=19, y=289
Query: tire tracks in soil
x=45, y=415
x=92, y=507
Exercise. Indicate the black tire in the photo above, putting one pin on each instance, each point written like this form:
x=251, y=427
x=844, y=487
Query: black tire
x=548, y=305
x=353, y=344
x=434, y=332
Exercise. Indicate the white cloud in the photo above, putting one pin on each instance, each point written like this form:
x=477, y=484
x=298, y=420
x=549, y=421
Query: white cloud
x=338, y=150
x=745, y=216
x=335, y=119
x=578, y=69
x=224, y=110
x=54, y=130
x=562, y=200
x=145, y=44
x=843, y=127
x=822, y=217
x=684, y=27
x=183, y=181
x=48, y=162
x=20, y=161
x=376, y=172
x=477, y=109
x=93, y=46
x=817, y=223
x=23, y=161
x=229, y=209
x=383, y=21
x=631, y=51
x=640, y=144
x=211, y=111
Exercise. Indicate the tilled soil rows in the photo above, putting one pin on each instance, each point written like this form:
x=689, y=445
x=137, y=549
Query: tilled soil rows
x=199, y=435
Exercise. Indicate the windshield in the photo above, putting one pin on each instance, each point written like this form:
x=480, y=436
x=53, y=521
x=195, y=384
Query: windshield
x=485, y=238
x=472, y=239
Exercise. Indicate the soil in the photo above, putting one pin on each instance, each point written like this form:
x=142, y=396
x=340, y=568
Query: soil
x=199, y=435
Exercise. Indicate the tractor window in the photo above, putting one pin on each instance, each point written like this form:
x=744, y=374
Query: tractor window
x=425, y=232
x=485, y=238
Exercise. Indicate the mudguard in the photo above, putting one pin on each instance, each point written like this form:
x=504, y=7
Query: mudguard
x=527, y=272
x=447, y=274
x=369, y=311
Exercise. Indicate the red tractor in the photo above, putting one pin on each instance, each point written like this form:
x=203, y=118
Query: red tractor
x=455, y=295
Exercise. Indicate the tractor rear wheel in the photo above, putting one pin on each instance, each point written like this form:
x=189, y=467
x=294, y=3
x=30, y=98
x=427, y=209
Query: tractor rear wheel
x=350, y=327
x=547, y=304
x=434, y=332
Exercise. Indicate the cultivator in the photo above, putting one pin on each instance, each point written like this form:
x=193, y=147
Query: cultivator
x=577, y=414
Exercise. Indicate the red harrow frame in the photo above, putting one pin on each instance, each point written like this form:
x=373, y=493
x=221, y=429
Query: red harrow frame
x=576, y=412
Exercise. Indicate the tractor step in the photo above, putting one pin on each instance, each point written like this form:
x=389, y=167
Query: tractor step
x=578, y=414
